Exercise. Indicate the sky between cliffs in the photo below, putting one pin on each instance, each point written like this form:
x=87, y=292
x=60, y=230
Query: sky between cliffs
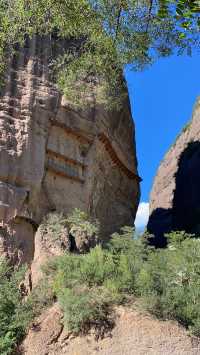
x=162, y=99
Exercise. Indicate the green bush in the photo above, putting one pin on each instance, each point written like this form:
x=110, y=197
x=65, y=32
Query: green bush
x=80, y=220
x=85, y=307
x=80, y=285
x=53, y=225
x=88, y=285
x=130, y=255
x=77, y=217
x=15, y=315
x=167, y=281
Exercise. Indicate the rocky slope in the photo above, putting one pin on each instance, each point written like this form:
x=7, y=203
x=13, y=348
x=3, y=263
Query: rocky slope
x=135, y=333
x=54, y=157
x=175, y=197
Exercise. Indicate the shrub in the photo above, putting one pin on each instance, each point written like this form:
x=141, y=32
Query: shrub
x=87, y=286
x=130, y=255
x=106, y=276
x=77, y=217
x=80, y=220
x=53, y=225
x=169, y=281
x=85, y=307
x=166, y=280
x=15, y=315
x=80, y=285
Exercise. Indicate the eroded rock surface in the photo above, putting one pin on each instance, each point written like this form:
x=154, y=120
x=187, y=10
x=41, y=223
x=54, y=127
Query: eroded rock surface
x=50, y=243
x=54, y=157
x=175, y=197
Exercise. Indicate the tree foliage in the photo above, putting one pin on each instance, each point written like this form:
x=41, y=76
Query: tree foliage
x=111, y=34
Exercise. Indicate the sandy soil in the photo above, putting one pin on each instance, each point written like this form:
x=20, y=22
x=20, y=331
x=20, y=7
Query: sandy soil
x=135, y=333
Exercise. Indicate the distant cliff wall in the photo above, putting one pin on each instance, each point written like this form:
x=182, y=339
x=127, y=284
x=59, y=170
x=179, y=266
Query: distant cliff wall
x=54, y=157
x=175, y=197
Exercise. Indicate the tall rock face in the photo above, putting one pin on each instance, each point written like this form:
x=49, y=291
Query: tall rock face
x=175, y=197
x=54, y=157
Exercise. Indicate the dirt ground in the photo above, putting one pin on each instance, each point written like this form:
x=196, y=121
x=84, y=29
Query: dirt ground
x=135, y=333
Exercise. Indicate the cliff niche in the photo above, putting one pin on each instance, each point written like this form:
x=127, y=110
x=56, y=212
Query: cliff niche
x=175, y=197
x=55, y=157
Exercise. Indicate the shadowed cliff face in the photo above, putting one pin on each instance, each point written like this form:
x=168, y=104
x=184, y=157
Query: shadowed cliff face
x=55, y=157
x=186, y=203
x=175, y=197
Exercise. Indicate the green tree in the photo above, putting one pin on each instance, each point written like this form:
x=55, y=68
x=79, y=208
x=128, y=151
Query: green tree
x=110, y=34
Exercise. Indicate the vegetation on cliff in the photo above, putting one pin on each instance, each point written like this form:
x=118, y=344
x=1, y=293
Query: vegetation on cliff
x=87, y=286
x=14, y=317
x=16, y=312
x=166, y=281
x=105, y=36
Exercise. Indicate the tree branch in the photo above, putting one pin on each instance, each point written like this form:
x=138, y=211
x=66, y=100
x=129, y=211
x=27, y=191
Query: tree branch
x=118, y=22
x=149, y=15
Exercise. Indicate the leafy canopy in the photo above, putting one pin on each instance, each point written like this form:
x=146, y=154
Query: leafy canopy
x=110, y=34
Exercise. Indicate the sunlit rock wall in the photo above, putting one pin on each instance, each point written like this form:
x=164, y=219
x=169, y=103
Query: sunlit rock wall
x=54, y=157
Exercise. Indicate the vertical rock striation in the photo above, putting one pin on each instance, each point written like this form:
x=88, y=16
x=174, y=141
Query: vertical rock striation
x=54, y=157
x=175, y=197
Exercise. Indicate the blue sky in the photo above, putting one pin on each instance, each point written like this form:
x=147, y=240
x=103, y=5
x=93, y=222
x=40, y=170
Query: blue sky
x=162, y=98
